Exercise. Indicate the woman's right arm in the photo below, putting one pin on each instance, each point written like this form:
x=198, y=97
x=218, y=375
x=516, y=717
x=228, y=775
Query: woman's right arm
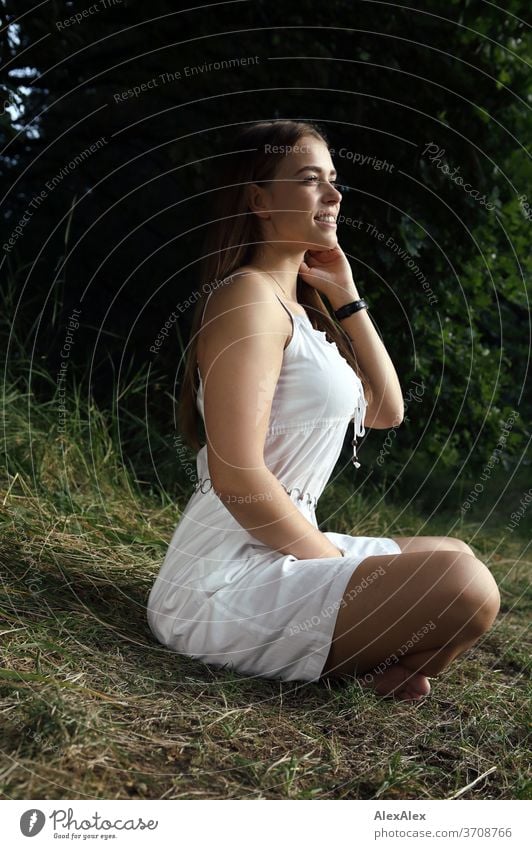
x=240, y=356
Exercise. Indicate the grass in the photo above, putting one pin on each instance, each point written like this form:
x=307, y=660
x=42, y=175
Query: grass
x=93, y=707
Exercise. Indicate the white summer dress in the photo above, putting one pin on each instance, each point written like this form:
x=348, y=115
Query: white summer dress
x=224, y=597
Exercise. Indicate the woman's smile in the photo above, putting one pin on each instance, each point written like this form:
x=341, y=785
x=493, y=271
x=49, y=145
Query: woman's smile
x=324, y=223
x=326, y=218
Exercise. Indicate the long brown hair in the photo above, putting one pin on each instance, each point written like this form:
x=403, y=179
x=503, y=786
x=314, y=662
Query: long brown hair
x=231, y=239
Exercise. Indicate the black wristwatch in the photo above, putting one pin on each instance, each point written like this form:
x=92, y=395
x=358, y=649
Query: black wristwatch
x=349, y=309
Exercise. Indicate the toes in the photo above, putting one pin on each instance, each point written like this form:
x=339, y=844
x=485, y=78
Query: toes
x=398, y=682
x=414, y=692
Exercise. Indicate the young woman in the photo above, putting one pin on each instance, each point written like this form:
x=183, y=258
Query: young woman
x=249, y=581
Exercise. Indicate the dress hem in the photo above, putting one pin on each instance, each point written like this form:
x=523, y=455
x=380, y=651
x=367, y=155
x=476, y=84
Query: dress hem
x=311, y=670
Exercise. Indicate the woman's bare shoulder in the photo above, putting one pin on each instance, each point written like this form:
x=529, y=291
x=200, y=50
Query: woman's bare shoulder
x=244, y=287
x=247, y=309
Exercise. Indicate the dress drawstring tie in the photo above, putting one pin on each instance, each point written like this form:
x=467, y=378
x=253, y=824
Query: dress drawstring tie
x=359, y=415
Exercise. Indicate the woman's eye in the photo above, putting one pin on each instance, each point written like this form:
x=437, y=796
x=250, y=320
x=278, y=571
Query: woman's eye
x=336, y=183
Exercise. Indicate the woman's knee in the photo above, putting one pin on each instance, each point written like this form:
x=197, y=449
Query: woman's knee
x=473, y=593
x=459, y=545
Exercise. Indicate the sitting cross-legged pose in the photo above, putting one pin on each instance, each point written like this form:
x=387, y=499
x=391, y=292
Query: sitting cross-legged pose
x=275, y=377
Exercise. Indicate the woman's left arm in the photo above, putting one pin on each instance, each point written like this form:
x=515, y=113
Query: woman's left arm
x=329, y=272
x=386, y=408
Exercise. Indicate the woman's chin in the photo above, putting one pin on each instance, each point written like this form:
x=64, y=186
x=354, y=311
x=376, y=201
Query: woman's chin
x=317, y=241
x=323, y=242
x=327, y=245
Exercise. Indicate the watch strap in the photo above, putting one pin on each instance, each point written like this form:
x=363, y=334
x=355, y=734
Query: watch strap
x=350, y=308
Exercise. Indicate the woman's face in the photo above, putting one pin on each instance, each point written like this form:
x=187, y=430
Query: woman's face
x=302, y=189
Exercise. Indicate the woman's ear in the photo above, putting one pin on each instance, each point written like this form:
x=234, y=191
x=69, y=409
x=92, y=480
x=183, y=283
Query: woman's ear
x=256, y=200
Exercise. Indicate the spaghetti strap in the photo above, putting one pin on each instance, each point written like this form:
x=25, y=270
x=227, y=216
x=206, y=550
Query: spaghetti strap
x=291, y=314
x=291, y=319
x=284, y=305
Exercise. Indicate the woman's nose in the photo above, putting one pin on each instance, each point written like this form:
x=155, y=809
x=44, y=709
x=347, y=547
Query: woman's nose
x=333, y=193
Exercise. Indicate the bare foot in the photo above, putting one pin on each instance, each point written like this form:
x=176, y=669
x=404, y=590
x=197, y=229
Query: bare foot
x=397, y=682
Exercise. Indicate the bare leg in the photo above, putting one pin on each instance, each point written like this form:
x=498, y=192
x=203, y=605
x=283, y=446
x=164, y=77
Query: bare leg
x=409, y=544
x=403, y=680
x=443, y=600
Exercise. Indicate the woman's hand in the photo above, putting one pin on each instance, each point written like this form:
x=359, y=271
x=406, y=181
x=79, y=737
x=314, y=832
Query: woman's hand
x=329, y=272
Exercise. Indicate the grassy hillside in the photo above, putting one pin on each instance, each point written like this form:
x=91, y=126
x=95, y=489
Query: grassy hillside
x=93, y=707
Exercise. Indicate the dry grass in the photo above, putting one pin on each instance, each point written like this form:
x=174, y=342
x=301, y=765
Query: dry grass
x=93, y=707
